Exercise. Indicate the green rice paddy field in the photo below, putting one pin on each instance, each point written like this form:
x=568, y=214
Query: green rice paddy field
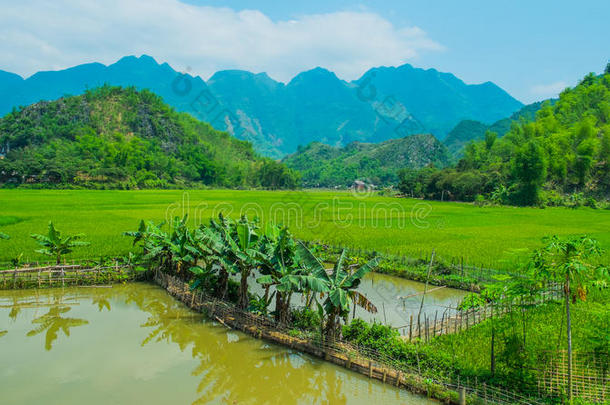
x=501, y=237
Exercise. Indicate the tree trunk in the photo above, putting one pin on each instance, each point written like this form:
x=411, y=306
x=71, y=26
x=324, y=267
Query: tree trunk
x=282, y=308
x=223, y=284
x=243, y=302
x=569, y=332
x=332, y=326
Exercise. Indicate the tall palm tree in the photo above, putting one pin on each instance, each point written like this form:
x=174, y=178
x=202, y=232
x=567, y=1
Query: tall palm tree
x=341, y=285
x=54, y=245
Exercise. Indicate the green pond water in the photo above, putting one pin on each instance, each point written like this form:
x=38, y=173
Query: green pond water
x=396, y=299
x=134, y=343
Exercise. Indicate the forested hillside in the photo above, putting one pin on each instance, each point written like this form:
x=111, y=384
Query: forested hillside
x=469, y=130
x=563, y=157
x=114, y=137
x=327, y=166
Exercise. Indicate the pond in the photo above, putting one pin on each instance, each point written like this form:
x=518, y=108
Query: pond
x=396, y=299
x=134, y=343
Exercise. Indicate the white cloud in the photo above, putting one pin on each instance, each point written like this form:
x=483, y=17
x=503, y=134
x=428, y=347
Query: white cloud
x=548, y=90
x=46, y=35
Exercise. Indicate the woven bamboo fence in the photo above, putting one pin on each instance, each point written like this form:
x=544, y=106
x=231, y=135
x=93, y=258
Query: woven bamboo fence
x=590, y=375
x=64, y=275
x=454, y=320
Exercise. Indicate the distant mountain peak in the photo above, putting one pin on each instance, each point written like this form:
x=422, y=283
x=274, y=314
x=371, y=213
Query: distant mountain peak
x=315, y=105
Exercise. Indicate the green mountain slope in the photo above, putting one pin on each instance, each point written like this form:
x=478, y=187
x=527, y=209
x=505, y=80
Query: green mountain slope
x=124, y=138
x=314, y=106
x=322, y=165
x=468, y=130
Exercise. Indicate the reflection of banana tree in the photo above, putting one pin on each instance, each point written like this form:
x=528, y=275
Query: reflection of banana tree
x=15, y=309
x=52, y=322
x=3, y=332
x=172, y=323
x=101, y=303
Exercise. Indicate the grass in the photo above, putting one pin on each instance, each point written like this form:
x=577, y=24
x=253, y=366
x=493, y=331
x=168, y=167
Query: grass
x=500, y=237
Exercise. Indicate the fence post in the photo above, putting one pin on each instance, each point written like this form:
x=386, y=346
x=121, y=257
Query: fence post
x=370, y=368
x=410, y=327
x=462, y=396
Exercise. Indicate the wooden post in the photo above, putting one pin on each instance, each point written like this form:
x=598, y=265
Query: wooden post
x=370, y=369
x=485, y=392
x=427, y=327
x=462, y=396
x=398, y=378
x=434, y=327
x=38, y=278
x=348, y=362
x=15, y=279
x=385, y=372
x=410, y=327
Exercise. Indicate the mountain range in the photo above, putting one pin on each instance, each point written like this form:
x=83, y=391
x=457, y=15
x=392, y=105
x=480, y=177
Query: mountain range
x=316, y=105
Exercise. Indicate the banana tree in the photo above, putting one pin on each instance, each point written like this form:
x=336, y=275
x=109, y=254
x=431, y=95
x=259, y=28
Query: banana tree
x=282, y=269
x=212, y=242
x=341, y=285
x=54, y=245
x=243, y=243
x=183, y=249
x=154, y=243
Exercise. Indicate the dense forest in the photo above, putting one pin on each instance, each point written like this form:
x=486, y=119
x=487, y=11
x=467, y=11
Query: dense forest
x=560, y=158
x=113, y=137
x=376, y=163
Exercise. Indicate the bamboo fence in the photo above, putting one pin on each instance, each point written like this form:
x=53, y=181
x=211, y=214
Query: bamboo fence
x=65, y=274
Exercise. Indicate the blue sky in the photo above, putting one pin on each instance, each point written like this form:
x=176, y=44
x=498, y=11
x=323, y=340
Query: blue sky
x=532, y=49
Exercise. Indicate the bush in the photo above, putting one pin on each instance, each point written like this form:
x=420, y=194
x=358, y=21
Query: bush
x=305, y=319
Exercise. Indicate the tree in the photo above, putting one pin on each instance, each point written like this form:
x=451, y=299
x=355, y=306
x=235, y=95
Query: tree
x=341, y=285
x=530, y=168
x=607, y=70
x=54, y=245
x=243, y=251
x=282, y=268
x=569, y=262
x=212, y=240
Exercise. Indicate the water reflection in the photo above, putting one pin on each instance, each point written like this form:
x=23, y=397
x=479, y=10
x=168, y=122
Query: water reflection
x=141, y=345
x=52, y=322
